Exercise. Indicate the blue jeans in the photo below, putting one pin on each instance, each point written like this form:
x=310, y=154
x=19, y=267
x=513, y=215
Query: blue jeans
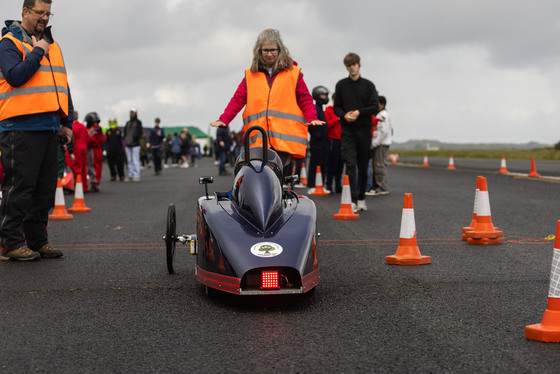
x=223, y=159
x=133, y=157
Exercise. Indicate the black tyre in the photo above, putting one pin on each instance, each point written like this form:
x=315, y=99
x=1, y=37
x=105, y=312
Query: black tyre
x=170, y=237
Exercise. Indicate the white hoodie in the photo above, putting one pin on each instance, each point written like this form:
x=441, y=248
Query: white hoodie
x=384, y=133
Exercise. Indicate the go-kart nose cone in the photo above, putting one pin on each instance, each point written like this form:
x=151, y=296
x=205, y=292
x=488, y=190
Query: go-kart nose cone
x=258, y=194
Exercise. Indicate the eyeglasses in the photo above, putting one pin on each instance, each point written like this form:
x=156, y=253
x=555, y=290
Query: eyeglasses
x=271, y=51
x=41, y=14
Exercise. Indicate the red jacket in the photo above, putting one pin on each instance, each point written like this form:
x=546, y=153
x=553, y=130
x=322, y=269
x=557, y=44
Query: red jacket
x=333, y=123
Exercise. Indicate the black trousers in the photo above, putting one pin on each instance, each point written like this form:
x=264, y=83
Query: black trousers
x=318, y=158
x=334, y=166
x=30, y=162
x=356, y=144
x=156, y=158
x=115, y=160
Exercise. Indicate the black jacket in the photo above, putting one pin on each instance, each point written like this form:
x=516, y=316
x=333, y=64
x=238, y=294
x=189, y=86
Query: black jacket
x=133, y=132
x=356, y=95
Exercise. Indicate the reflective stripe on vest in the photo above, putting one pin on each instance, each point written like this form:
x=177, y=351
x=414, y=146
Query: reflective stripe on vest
x=275, y=109
x=46, y=91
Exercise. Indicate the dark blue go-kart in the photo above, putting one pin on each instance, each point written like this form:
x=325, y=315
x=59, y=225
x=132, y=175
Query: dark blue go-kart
x=256, y=239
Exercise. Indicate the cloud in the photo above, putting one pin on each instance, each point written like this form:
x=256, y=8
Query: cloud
x=453, y=71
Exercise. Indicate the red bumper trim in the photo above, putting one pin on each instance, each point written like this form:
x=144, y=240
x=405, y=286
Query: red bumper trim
x=218, y=281
x=310, y=280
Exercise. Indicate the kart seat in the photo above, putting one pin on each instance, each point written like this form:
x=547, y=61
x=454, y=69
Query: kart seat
x=256, y=153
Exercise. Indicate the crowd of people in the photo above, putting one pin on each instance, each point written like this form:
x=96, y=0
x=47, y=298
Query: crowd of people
x=41, y=136
x=129, y=149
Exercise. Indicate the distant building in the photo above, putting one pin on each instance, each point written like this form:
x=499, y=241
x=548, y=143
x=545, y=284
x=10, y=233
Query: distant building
x=430, y=148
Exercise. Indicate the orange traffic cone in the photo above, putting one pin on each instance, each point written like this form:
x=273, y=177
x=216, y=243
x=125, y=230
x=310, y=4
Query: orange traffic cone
x=473, y=222
x=425, y=164
x=346, y=211
x=451, y=163
x=59, y=207
x=319, y=191
x=408, y=252
x=503, y=169
x=533, y=173
x=303, y=174
x=475, y=209
x=483, y=231
x=549, y=328
x=79, y=204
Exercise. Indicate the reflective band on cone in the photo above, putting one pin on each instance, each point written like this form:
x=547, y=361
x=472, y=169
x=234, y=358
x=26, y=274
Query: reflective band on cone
x=549, y=329
x=425, y=164
x=319, y=191
x=79, y=203
x=484, y=231
x=59, y=207
x=346, y=211
x=408, y=252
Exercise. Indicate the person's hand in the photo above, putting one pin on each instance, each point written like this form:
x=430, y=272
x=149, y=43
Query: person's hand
x=316, y=123
x=66, y=132
x=352, y=116
x=41, y=44
x=72, y=157
x=218, y=124
x=222, y=144
x=148, y=145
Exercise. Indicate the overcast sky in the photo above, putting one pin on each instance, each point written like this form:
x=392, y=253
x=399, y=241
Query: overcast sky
x=456, y=71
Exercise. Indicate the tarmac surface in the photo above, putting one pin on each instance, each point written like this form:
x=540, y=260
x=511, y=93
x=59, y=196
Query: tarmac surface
x=109, y=305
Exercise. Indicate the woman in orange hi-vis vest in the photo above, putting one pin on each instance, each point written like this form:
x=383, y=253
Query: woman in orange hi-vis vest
x=275, y=98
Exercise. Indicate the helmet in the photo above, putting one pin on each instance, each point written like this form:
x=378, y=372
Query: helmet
x=317, y=92
x=113, y=123
x=91, y=119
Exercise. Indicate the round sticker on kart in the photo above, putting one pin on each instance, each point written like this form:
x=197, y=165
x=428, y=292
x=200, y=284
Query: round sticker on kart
x=266, y=249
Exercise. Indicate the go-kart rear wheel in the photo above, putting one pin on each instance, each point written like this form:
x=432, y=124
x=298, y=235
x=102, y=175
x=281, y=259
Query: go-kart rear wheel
x=170, y=237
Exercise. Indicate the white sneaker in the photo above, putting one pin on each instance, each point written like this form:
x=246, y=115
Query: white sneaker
x=354, y=209
x=371, y=193
x=299, y=185
x=327, y=191
x=311, y=190
x=362, y=205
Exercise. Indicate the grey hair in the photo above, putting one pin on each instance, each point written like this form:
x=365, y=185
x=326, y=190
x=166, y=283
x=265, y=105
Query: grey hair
x=284, y=60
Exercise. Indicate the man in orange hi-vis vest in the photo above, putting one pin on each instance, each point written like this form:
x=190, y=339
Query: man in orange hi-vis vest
x=275, y=98
x=36, y=113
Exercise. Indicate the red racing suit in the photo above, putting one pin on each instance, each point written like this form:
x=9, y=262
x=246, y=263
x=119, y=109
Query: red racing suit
x=79, y=163
x=95, y=141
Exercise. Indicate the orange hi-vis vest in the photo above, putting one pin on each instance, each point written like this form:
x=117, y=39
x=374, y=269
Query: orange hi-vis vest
x=46, y=91
x=275, y=109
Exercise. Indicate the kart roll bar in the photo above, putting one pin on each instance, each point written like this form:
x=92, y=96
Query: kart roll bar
x=265, y=143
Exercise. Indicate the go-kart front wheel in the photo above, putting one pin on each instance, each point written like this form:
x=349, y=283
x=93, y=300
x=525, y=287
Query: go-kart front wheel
x=170, y=237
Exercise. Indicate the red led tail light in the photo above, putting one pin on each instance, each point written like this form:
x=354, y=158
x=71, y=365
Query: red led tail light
x=270, y=280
